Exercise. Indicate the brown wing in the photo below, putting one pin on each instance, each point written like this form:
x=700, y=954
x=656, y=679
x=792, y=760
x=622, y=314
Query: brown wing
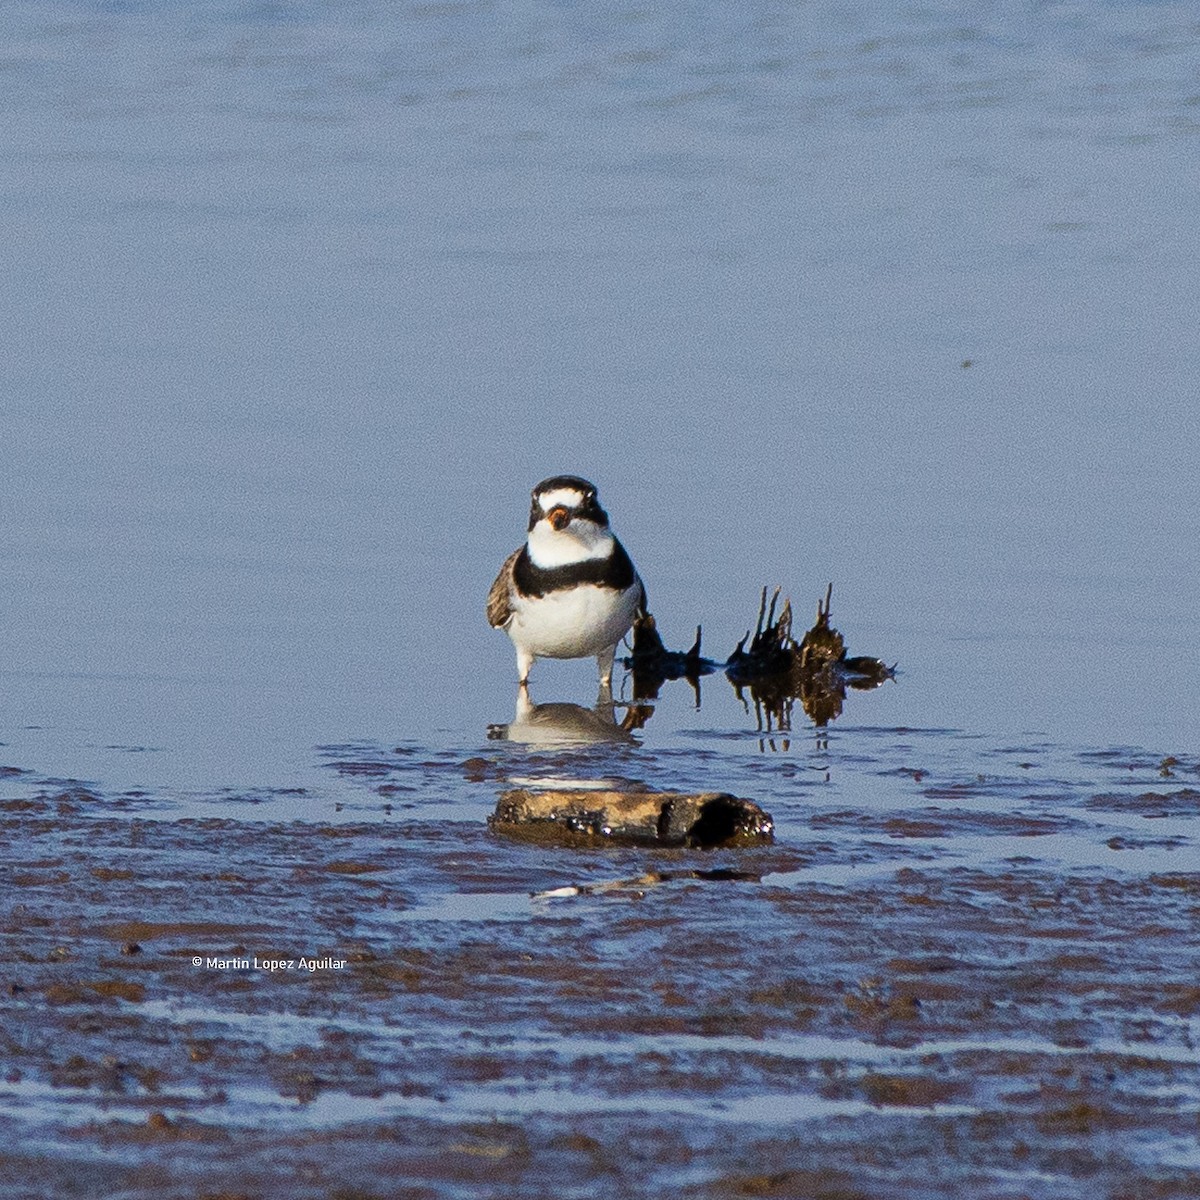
x=498, y=608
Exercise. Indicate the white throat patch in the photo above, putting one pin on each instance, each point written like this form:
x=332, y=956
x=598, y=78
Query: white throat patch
x=580, y=541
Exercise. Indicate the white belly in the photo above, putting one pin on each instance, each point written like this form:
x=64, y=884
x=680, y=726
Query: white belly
x=575, y=623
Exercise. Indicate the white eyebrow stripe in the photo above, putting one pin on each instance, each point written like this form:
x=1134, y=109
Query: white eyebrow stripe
x=567, y=497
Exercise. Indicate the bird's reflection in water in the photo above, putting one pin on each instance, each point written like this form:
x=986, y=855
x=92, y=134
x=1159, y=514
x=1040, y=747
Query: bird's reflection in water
x=563, y=724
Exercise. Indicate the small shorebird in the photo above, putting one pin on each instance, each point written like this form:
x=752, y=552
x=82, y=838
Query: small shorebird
x=571, y=591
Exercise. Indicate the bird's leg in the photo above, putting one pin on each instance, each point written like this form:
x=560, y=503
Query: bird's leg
x=524, y=665
x=604, y=660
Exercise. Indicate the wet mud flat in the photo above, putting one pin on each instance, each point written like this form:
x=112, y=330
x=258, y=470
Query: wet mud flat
x=914, y=995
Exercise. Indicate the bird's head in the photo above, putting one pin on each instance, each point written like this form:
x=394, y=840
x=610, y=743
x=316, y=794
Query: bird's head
x=566, y=522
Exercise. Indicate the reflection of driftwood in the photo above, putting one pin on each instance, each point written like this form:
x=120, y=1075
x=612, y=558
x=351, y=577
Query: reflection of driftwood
x=775, y=669
x=704, y=821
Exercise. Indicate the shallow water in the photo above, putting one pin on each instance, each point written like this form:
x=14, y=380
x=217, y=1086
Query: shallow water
x=300, y=301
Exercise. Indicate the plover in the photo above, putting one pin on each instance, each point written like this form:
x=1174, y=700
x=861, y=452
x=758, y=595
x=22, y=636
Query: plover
x=571, y=591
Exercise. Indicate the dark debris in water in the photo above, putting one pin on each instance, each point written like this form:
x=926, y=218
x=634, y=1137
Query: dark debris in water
x=768, y=664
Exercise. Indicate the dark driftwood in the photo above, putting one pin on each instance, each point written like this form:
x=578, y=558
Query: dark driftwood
x=704, y=820
x=653, y=664
x=769, y=663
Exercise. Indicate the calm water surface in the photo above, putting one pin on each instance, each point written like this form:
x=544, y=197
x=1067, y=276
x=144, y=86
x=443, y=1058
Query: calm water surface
x=299, y=301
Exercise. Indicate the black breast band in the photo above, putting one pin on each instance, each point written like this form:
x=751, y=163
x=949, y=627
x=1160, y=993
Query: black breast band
x=616, y=572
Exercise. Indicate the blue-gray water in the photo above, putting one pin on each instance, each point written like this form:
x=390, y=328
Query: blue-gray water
x=297, y=301
x=300, y=300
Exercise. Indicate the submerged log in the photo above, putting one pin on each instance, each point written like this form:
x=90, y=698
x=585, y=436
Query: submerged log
x=704, y=820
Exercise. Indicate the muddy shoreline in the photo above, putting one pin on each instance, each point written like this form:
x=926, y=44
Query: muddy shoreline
x=479, y=1017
